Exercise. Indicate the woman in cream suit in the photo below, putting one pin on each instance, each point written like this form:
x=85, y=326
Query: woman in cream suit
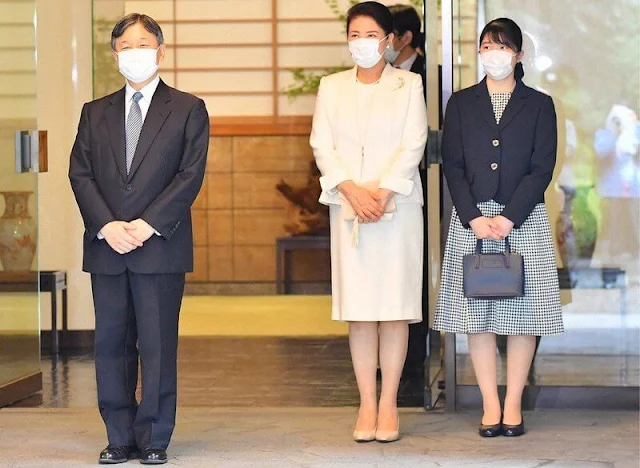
x=368, y=137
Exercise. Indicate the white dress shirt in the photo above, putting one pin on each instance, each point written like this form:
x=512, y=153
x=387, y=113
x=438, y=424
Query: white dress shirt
x=407, y=64
x=147, y=94
x=144, y=103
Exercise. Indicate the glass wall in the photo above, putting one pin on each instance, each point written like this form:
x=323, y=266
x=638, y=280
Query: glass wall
x=19, y=301
x=585, y=55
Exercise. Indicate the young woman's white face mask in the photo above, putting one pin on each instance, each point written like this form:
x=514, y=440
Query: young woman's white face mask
x=497, y=63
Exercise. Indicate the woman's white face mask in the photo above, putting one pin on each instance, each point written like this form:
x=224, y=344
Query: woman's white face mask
x=364, y=51
x=497, y=63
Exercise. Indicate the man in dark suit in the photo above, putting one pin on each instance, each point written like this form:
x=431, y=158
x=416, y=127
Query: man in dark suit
x=136, y=167
x=406, y=52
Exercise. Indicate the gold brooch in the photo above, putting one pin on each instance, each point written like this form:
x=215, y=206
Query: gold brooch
x=400, y=83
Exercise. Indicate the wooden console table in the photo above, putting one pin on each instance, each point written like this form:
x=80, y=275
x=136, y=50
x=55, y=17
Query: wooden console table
x=284, y=247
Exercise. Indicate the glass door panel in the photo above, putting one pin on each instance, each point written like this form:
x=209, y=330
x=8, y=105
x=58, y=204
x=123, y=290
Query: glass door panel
x=433, y=198
x=19, y=277
x=594, y=198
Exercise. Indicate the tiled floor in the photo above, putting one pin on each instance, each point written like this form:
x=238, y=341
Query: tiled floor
x=320, y=438
x=275, y=402
x=270, y=400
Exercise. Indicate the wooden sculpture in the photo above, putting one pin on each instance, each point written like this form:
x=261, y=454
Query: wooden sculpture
x=307, y=217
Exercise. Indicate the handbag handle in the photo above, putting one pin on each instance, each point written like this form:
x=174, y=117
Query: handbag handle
x=507, y=252
x=507, y=247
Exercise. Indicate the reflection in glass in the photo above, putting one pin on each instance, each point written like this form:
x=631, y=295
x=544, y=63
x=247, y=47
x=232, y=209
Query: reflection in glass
x=19, y=301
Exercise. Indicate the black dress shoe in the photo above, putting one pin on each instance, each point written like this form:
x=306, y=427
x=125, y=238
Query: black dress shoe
x=153, y=456
x=513, y=431
x=115, y=454
x=490, y=430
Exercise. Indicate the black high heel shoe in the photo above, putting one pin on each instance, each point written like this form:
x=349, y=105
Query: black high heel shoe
x=514, y=431
x=490, y=430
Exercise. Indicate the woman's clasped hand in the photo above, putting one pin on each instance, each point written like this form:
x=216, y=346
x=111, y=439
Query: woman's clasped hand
x=496, y=228
x=368, y=205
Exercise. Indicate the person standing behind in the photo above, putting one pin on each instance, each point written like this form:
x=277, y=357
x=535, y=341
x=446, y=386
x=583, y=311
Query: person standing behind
x=405, y=53
x=136, y=167
x=368, y=137
x=406, y=50
x=499, y=152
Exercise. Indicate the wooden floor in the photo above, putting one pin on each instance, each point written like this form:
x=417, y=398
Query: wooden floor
x=233, y=372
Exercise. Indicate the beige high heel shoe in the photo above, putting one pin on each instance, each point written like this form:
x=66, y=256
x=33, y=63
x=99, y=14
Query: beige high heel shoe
x=386, y=437
x=364, y=436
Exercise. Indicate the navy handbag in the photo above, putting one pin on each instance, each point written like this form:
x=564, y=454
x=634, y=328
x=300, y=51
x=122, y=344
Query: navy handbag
x=493, y=275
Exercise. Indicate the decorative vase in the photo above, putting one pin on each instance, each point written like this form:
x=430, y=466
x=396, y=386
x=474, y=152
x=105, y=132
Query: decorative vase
x=17, y=232
x=576, y=227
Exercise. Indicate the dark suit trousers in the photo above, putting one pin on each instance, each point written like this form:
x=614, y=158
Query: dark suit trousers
x=137, y=315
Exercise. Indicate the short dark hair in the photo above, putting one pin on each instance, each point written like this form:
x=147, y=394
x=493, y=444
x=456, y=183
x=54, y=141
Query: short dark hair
x=505, y=31
x=406, y=18
x=377, y=11
x=147, y=22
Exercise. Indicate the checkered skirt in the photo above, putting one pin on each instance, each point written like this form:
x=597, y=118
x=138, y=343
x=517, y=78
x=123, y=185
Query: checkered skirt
x=538, y=312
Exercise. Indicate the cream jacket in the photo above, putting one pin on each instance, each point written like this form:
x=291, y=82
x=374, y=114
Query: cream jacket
x=395, y=140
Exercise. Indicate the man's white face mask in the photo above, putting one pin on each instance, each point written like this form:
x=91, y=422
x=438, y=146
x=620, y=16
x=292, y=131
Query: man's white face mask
x=138, y=65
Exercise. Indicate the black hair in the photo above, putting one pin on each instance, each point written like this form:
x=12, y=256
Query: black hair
x=505, y=31
x=147, y=23
x=406, y=18
x=377, y=11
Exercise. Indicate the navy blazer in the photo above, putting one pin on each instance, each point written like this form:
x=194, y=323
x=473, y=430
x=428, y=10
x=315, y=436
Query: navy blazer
x=511, y=162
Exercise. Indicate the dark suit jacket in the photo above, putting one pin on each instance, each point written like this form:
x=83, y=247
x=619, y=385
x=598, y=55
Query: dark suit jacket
x=511, y=163
x=419, y=67
x=165, y=178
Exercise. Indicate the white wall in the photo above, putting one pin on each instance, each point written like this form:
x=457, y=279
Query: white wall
x=212, y=43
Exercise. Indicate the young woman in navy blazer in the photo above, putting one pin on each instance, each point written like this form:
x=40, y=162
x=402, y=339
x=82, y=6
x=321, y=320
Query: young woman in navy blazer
x=499, y=153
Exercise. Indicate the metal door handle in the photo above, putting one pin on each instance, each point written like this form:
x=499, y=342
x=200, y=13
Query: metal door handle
x=434, y=147
x=31, y=151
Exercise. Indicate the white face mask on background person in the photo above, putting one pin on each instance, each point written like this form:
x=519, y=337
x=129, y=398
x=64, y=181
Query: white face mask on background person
x=391, y=54
x=497, y=63
x=364, y=51
x=138, y=65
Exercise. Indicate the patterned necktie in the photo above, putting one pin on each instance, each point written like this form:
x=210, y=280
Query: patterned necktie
x=134, y=126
